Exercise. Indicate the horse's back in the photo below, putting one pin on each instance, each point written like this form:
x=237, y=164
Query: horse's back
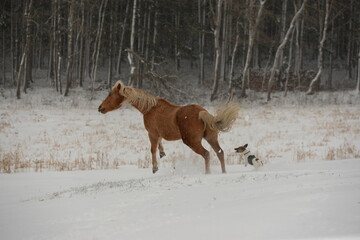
x=189, y=112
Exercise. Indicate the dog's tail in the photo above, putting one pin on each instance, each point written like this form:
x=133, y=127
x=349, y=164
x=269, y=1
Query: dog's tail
x=224, y=118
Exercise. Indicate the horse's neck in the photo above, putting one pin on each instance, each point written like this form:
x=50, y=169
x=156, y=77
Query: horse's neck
x=140, y=108
x=140, y=99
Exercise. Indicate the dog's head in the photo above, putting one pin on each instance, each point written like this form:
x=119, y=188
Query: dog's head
x=241, y=148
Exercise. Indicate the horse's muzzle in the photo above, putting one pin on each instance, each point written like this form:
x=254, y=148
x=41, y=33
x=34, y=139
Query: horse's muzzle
x=101, y=109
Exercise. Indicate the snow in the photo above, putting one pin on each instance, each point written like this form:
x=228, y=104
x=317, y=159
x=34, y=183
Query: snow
x=61, y=133
x=309, y=187
x=317, y=200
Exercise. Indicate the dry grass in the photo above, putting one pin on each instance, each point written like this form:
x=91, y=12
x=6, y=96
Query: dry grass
x=304, y=155
x=13, y=163
x=85, y=143
x=344, y=151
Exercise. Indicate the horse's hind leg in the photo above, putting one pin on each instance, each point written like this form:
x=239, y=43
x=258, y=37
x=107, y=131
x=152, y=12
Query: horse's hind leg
x=161, y=149
x=154, y=140
x=212, y=140
x=199, y=149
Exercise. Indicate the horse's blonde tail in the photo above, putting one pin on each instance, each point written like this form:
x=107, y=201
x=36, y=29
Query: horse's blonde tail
x=224, y=118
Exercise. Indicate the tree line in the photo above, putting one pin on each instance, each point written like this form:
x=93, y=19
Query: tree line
x=259, y=44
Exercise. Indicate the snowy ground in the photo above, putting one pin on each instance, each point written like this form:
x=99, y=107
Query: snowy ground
x=308, y=189
x=319, y=200
x=43, y=132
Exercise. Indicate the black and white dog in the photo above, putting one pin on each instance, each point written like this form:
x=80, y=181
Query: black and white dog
x=248, y=157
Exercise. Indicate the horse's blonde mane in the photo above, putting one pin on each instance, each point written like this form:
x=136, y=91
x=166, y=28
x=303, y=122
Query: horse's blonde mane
x=143, y=100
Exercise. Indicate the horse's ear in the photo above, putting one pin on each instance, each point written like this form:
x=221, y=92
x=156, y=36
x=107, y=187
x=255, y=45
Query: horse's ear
x=245, y=146
x=118, y=86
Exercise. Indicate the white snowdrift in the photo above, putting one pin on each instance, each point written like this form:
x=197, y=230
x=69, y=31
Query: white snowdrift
x=279, y=201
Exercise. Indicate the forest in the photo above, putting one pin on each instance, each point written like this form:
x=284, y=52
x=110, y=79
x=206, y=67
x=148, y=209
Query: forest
x=228, y=46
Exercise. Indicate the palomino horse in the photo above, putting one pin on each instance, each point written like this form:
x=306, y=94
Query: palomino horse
x=164, y=120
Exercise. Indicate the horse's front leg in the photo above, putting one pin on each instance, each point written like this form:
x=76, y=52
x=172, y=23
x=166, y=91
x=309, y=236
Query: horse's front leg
x=161, y=149
x=154, y=140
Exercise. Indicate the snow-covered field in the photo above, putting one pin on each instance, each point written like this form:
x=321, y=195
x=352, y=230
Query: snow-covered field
x=318, y=200
x=308, y=189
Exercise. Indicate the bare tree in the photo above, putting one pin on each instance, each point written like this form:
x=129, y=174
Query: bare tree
x=110, y=68
x=82, y=41
x=132, y=40
x=70, y=47
x=253, y=26
x=201, y=21
x=97, y=44
x=281, y=46
x=289, y=63
x=22, y=70
x=3, y=56
x=349, y=44
x=358, y=72
x=298, y=49
x=217, y=34
x=283, y=28
x=233, y=55
x=321, y=49
x=329, y=80
x=154, y=36
x=176, y=42
x=123, y=29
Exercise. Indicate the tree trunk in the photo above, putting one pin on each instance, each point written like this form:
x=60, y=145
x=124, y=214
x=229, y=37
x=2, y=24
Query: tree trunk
x=298, y=51
x=87, y=47
x=201, y=19
x=131, y=52
x=58, y=48
x=70, y=47
x=233, y=56
x=109, y=78
x=21, y=73
x=349, y=45
x=12, y=23
x=281, y=46
x=118, y=65
x=321, y=49
x=3, y=57
x=223, y=39
x=50, y=60
x=54, y=34
x=329, y=80
x=28, y=68
x=283, y=28
x=82, y=40
x=253, y=27
x=266, y=67
x=154, y=37
x=97, y=44
x=140, y=37
x=176, y=43
x=39, y=59
x=358, y=71
x=147, y=43
x=217, y=34
x=289, y=63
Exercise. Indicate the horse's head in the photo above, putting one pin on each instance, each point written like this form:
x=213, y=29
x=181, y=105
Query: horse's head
x=113, y=101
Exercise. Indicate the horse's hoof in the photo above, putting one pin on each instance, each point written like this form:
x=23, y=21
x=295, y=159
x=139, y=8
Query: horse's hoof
x=162, y=154
x=155, y=170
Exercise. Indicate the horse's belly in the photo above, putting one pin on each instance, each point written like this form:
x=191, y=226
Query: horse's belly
x=170, y=134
